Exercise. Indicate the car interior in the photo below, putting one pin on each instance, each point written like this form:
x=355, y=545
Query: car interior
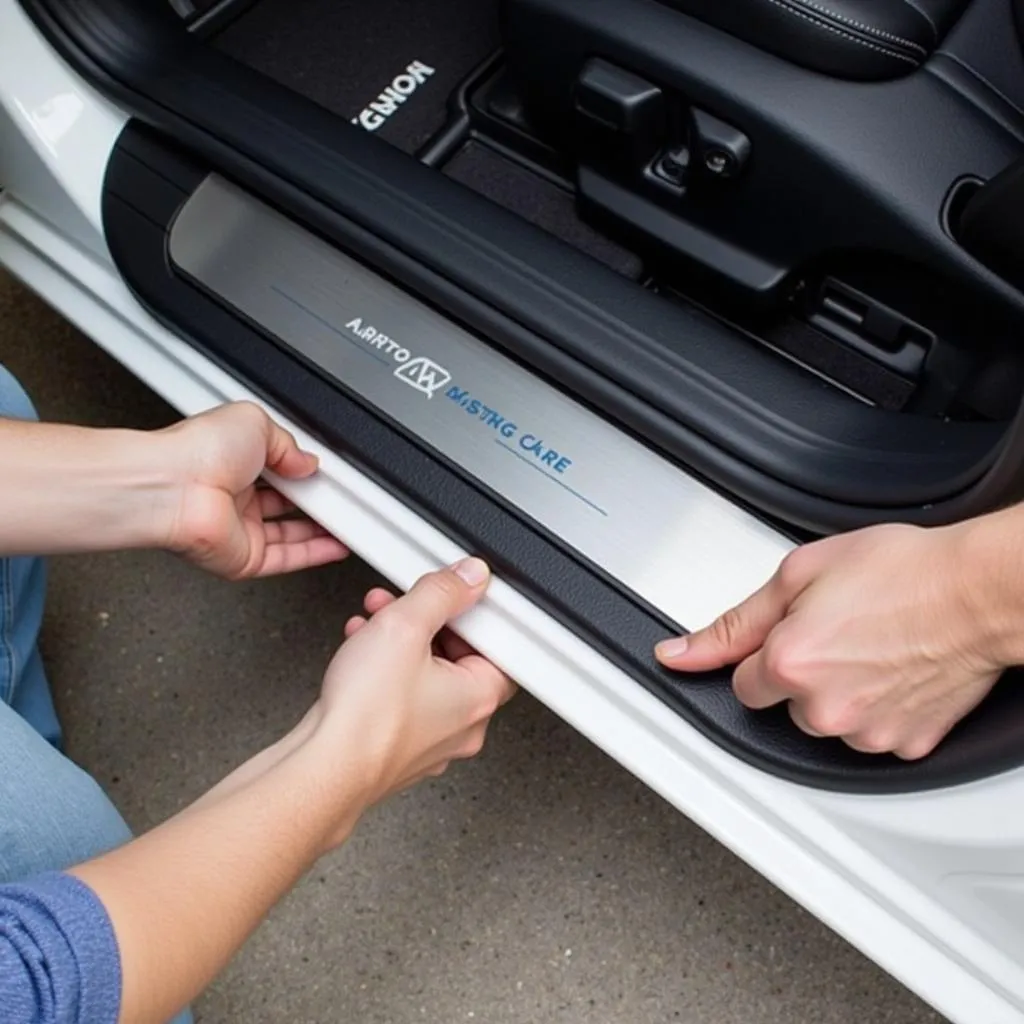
x=778, y=242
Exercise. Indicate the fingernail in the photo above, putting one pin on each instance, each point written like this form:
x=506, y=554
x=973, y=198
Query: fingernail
x=471, y=571
x=674, y=648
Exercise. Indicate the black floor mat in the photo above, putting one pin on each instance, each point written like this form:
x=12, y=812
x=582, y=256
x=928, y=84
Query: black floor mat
x=354, y=56
x=538, y=200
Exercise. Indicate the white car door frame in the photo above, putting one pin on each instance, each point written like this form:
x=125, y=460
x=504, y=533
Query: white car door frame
x=928, y=885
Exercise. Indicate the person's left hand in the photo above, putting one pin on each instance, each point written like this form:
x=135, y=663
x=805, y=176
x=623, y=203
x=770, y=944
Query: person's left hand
x=221, y=521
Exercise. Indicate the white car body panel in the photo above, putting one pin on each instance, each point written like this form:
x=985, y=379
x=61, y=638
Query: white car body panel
x=930, y=886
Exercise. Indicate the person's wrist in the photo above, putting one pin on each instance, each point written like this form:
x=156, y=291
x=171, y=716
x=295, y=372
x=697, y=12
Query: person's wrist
x=186, y=511
x=139, y=475
x=992, y=577
x=338, y=770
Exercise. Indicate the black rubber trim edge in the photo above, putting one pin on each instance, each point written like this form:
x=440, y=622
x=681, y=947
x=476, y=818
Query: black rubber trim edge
x=140, y=203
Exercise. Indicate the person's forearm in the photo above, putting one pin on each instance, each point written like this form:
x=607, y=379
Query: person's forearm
x=184, y=898
x=260, y=763
x=69, y=489
x=991, y=556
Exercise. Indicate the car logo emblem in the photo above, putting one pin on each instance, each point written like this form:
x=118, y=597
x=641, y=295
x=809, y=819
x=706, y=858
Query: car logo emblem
x=424, y=375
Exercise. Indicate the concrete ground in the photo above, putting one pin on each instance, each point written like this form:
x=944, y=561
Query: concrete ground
x=539, y=883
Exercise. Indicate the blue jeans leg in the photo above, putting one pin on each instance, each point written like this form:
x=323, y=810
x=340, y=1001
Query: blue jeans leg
x=52, y=814
x=23, y=682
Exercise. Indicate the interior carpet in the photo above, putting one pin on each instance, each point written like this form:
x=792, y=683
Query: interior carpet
x=538, y=200
x=390, y=64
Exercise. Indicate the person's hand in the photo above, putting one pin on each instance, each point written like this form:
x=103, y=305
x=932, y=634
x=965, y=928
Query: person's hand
x=220, y=519
x=404, y=696
x=880, y=637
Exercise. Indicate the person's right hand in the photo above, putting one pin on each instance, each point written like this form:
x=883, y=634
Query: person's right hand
x=885, y=637
x=403, y=694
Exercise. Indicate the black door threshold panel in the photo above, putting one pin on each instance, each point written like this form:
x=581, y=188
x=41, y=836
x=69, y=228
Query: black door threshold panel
x=768, y=432
x=149, y=185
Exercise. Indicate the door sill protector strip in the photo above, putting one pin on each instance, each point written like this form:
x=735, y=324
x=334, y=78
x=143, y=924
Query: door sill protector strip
x=645, y=523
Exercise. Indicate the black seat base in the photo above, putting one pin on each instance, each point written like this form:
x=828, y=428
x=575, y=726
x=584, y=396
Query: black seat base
x=758, y=173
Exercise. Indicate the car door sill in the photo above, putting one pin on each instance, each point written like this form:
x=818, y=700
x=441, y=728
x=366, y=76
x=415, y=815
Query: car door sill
x=625, y=546
x=781, y=828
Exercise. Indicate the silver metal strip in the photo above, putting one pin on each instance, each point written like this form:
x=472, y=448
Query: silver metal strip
x=665, y=536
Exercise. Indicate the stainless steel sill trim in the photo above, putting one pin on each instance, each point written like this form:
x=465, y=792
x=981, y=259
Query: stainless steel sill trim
x=668, y=538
